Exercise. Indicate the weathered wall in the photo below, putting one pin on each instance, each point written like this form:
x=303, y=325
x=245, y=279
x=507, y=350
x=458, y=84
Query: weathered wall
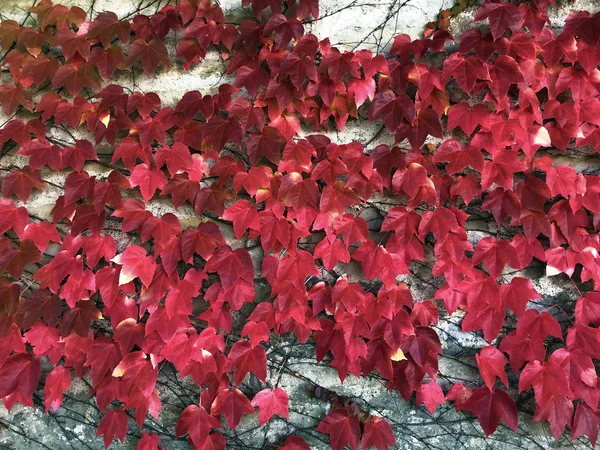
x=350, y=24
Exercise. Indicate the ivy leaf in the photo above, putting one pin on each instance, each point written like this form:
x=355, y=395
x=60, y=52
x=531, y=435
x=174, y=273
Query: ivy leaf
x=74, y=78
x=467, y=118
x=197, y=423
x=547, y=379
x=57, y=382
x=72, y=44
x=148, y=179
x=587, y=309
x=332, y=250
x=378, y=433
x=491, y=364
x=307, y=8
x=458, y=157
x=13, y=95
x=244, y=216
x=466, y=71
x=114, y=423
x=294, y=443
x=558, y=411
x=106, y=26
x=12, y=217
x=21, y=183
x=538, y=325
x=150, y=53
x=149, y=441
x=218, y=131
x=502, y=16
x=268, y=144
x=134, y=214
x=431, y=395
x=491, y=406
x=459, y=394
x=586, y=423
x=135, y=264
x=233, y=404
x=517, y=293
x=245, y=359
x=342, y=428
x=495, y=254
x=269, y=403
x=284, y=30
x=19, y=376
x=79, y=318
x=392, y=109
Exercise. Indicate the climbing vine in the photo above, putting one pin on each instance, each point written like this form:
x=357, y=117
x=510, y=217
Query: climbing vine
x=477, y=134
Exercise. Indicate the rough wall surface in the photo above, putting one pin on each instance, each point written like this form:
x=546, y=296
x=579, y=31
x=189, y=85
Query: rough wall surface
x=349, y=24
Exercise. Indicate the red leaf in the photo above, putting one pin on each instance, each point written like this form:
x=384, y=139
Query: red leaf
x=307, y=8
x=79, y=318
x=538, y=325
x=114, y=423
x=204, y=240
x=392, y=109
x=21, y=183
x=150, y=53
x=269, y=403
x=466, y=71
x=195, y=421
x=431, y=395
x=516, y=294
x=502, y=16
x=342, y=429
x=267, y=144
x=378, y=433
x=135, y=265
x=218, y=131
x=458, y=157
x=284, y=30
x=490, y=407
x=13, y=95
x=294, y=443
x=491, y=364
x=148, y=441
x=74, y=78
x=41, y=234
x=586, y=423
x=149, y=180
x=558, y=411
x=134, y=214
x=75, y=157
x=57, y=382
x=580, y=372
x=233, y=404
x=495, y=254
x=246, y=359
x=459, y=394
x=547, y=379
x=467, y=118
x=19, y=376
x=332, y=250
x=587, y=309
x=106, y=26
x=244, y=216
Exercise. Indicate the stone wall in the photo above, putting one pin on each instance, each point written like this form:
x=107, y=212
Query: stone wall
x=349, y=24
